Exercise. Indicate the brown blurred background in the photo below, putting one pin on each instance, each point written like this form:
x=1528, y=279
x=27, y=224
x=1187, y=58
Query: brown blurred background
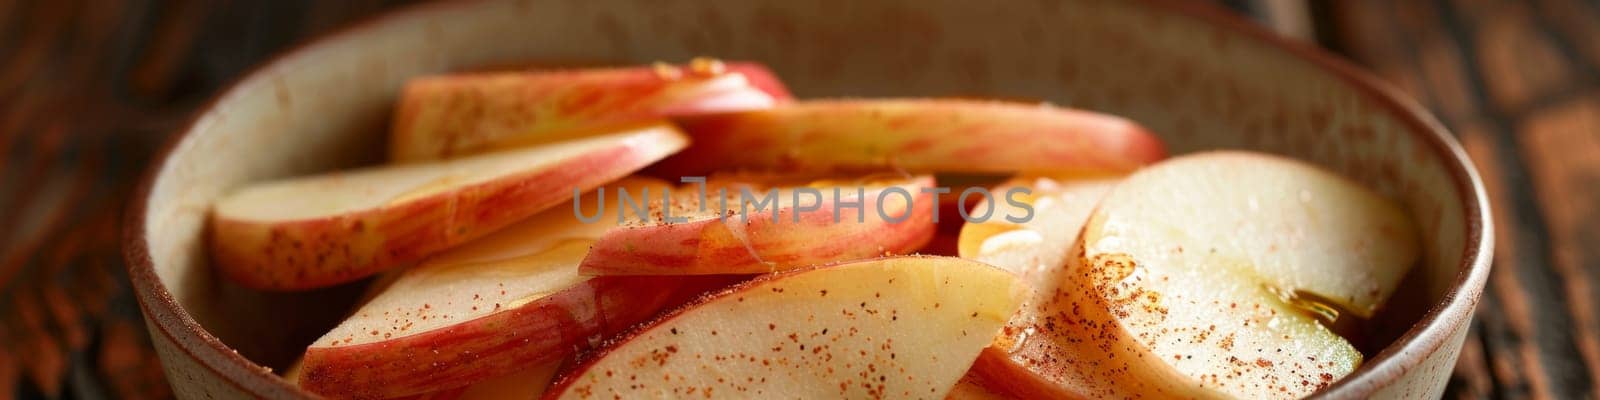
x=89, y=89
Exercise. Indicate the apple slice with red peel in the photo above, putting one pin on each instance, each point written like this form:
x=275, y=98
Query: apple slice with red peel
x=918, y=135
x=761, y=78
x=903, y=327
x=1028, y=358
x=527, y=384
x=974, y=387
x=488, y=308
x=795, y=227
x=1221, y=272
x=318, y=231
x=453, y=115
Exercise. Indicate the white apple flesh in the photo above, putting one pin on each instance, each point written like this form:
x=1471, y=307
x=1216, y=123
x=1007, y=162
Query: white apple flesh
x=527, y=384
x=1295, y=226
x=905, y=327
x=1217, y=270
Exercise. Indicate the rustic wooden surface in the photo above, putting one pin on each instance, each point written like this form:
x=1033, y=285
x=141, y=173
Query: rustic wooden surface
x=1519, y=84
x=89, y=89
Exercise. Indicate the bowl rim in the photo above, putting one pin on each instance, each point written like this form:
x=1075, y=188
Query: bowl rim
x=165, y=315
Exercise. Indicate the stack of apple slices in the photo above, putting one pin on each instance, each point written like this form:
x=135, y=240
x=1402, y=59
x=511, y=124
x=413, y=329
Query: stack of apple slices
x=776, y=258
x=518, y=286
x=1212, y=275
x=726, y=233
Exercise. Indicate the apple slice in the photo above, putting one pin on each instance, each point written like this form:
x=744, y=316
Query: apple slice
x=452, y=115
x=487, y=308
x=903, y=327
x=795, y=228
x=974, y=387
x=323, y=230
x=1052, y=211
x=1028, y=358
x=527, y=384
x=944, y=135
x=1219, y=271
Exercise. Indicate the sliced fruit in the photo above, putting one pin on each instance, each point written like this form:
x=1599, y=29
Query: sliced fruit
x=1295, y=226
x=1051, y=213
x=796, y=227
x=485, y=309
x=453, y=115
x=1035, y=354
x=903, y=327
x=528, y=383
x=973, y=387
x=1221, y=269
x=323, y=230
x=917, y=135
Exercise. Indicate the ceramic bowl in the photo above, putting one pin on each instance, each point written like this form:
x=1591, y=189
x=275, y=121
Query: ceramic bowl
x=1198, y=77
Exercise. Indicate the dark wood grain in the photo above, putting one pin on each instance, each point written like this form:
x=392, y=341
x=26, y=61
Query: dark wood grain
x=1517, y=81
x=88, y=90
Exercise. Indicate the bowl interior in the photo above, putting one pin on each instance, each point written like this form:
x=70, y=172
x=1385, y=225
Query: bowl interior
x=1199, y=85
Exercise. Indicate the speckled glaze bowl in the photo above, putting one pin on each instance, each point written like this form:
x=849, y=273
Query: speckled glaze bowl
x=1199, y=78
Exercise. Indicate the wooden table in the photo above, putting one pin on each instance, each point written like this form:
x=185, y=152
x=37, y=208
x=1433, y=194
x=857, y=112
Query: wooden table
x=88, y=90
x=1519, y=83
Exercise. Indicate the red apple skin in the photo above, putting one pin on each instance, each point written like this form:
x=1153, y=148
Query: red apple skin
x=764, y=79
x=1001, y=374
x=941, y=244
x=454, y=115
x=977, y=387
x=709, y=246
x=307, y=254
x=918, y=135
x=447, y=394
x=525, y=385
x=544, y=330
